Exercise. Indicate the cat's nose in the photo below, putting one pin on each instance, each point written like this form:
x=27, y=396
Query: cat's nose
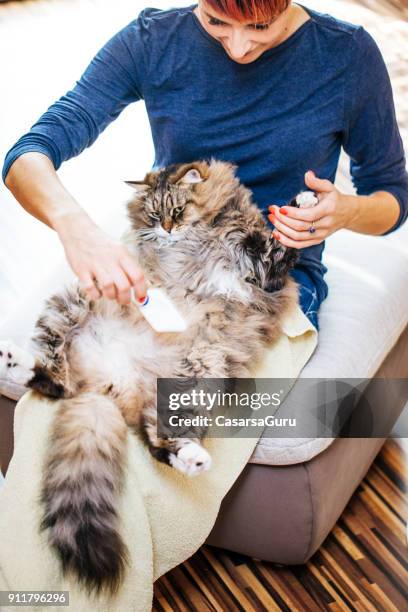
x=167, y=225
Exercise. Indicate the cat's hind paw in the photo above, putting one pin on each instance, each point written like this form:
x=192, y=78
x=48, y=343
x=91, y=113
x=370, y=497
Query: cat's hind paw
x=16, y=364
x=191, y=459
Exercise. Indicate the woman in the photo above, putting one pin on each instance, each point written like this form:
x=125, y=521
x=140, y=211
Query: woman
x=267, y=84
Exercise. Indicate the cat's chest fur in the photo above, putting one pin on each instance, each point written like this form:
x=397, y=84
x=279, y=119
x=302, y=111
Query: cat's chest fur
x=200, y=262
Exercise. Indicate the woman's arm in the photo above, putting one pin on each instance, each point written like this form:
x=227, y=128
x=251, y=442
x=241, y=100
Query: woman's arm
x=90, y=252
x=375, y=214
x=111, y=82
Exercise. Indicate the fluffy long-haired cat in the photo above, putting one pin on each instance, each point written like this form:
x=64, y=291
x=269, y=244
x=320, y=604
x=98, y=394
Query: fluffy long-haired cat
x=197, y=234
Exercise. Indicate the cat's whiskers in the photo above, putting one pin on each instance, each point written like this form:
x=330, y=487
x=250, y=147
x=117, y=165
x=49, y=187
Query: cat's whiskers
x=167, y=238
x=147, y=233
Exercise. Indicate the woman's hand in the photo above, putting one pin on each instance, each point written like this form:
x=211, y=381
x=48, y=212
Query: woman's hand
x=330, y=214
x=103, y=266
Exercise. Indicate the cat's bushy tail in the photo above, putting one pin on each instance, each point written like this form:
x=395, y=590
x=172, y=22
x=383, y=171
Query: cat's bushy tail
x=80, y=491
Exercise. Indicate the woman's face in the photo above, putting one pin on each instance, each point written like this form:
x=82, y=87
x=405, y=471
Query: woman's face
x=244, y=42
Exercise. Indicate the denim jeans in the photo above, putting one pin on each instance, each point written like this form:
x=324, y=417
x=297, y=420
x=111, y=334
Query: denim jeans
x=308, y=298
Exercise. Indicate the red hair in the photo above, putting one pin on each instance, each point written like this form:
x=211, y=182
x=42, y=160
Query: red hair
x=247, y=10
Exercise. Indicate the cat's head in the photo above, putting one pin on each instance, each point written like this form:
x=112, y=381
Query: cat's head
x=168, y=201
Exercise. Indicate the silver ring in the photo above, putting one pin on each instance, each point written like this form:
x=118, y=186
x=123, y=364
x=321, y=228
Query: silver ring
x=312, y=228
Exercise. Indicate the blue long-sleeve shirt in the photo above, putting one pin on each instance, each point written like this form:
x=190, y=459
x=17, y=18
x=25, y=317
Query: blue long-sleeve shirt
x=289, y=111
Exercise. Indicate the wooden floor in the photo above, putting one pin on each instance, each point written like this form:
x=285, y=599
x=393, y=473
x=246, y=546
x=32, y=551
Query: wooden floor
x=361, y=566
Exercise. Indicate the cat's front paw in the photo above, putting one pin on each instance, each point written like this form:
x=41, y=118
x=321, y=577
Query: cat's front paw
x=306, y=199
x=191, y=459
x=16, y=364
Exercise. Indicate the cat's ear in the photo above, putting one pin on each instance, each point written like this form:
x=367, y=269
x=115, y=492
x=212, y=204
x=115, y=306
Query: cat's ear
x=191, y=177
x=137, y=185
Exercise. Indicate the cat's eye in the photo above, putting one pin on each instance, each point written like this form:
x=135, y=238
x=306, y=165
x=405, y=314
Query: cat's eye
x=155, y=215
x=251, y=279
x=178, y=210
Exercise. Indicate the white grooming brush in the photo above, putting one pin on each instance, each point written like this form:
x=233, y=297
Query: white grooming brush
x=160, y=312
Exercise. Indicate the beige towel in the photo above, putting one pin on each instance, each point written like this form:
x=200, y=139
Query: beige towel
x=166, y=516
